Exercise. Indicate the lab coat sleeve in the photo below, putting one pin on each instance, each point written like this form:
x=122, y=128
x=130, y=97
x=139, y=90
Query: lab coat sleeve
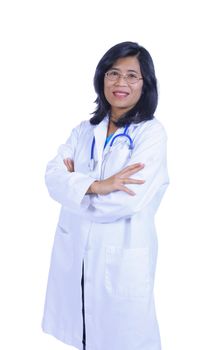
x=150, y=150
x=68, y=188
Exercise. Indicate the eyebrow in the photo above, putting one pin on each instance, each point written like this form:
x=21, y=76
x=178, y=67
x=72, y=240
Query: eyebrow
x=129, y=70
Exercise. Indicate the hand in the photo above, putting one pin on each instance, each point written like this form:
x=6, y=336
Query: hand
x=117, y=182
x=69, y=164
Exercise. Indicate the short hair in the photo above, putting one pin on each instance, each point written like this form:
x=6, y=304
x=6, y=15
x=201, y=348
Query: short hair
x=146, y=105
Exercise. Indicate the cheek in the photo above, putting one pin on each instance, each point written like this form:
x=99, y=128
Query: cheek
x=107, y=92
x=137, y=94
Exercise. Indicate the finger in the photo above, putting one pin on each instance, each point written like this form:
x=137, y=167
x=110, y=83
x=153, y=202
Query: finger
x=129, y=167
x=133, y=181
x=65, y=162
x=68, y=164
x=133, y=166
x=127, y=190
x=71, y=163
x=132, y=169
x=130, y=172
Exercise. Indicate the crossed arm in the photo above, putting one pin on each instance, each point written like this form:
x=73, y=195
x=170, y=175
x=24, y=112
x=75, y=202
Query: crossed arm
x=113, y=183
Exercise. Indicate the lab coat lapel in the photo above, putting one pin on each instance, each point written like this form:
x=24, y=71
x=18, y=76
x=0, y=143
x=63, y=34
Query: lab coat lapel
x=100, y=132
x=117, y=141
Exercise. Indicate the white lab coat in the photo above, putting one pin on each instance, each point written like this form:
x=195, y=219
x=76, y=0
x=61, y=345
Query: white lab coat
x=113, y=234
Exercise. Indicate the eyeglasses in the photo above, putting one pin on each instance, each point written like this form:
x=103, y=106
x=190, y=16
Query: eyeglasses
x=114, y=75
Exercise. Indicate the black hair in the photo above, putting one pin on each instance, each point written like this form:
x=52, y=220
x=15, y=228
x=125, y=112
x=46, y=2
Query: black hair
x=146, y=105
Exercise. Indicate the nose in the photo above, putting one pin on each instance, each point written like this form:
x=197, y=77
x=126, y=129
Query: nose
x=121, y=80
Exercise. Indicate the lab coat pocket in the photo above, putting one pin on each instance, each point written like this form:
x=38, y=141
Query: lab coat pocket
x=127, y=272
x=63, y=249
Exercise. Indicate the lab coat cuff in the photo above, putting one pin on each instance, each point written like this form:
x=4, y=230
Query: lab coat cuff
x=79, y=194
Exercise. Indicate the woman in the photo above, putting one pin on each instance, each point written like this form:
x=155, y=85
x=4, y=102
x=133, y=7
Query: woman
x=109, y=178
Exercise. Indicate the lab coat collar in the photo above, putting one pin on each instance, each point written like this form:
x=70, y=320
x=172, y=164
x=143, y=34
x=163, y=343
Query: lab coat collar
x=100, y=132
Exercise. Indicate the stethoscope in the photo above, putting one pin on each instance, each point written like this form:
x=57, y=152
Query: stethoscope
x=124, y=134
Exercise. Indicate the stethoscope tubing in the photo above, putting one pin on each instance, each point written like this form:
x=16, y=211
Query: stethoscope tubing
x=124, y=134
x=92, y=148
x=121, y=135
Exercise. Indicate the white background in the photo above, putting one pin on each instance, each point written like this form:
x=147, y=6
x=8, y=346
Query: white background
x=49, y=51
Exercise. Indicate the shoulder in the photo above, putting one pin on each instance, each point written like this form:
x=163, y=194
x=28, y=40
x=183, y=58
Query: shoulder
x=155, y=124
x=83, y=127
x=151, y=129
x=148, y=133
x=76, y=133
x=79, y=130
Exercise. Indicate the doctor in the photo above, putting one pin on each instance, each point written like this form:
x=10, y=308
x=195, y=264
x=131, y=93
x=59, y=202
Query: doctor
x=109, y=178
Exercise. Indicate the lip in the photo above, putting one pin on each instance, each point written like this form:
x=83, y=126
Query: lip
x=120, y=93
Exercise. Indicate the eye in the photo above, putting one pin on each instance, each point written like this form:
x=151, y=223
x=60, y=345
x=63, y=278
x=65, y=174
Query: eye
x=113, y=73
x=132, y=76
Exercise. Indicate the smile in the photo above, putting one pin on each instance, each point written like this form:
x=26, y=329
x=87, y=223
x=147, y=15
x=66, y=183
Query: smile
x=120, y=93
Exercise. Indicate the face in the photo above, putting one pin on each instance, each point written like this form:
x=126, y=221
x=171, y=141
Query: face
x=121, y=94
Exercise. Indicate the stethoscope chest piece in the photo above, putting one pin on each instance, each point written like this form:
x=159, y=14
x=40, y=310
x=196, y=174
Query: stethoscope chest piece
x=91, y=164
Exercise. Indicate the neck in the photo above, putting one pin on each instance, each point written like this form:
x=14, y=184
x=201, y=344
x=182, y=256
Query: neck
x=111, y=127
x=114, y=117
x=116, y=113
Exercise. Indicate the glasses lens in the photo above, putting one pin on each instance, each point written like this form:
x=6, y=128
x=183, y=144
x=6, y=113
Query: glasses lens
x=132, y=78
x=112, y=75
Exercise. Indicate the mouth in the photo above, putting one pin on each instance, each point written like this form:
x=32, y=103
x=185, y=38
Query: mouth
x=120, y=94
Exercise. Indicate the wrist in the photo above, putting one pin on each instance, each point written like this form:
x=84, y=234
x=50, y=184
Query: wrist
x=93, y=187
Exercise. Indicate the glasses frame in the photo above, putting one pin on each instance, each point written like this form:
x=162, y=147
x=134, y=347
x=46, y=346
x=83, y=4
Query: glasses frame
x=125, y=76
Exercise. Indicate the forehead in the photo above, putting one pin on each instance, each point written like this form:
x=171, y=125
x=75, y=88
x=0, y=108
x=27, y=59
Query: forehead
x=127, y=63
